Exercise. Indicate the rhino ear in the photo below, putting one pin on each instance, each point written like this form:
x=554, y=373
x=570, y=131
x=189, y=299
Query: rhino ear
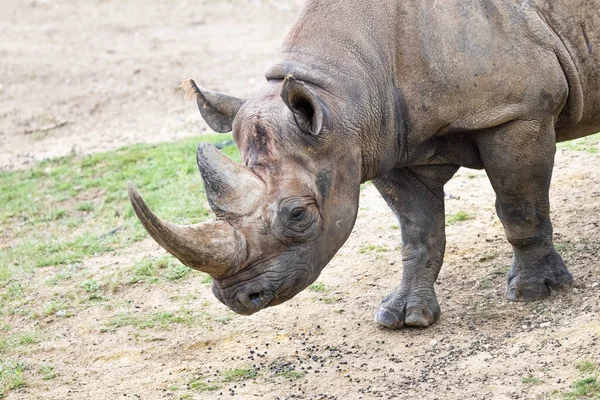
x=218, y=110
x=304, y=104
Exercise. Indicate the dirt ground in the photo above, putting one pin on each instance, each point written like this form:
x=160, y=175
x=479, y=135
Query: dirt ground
x=87, y=76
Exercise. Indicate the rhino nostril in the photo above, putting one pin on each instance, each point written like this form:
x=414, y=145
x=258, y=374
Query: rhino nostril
x=253, y=300
x=256, y=298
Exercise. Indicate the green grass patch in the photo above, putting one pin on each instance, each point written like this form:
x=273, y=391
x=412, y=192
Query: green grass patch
x=93, y=289
x=13, y=342
x=12, y=292
x=586, y=366
x=292, y=374
x=90, y=286
x=86, y=207
x=65, y=274
x=564, y=247
x=589, y=144
x=460, y=216
x=206, y=279
x=27, y=338
x=161, y=320
x=200, y=385
x=60, y=306
x=539, y=308
x=65, y=210
x=331, y=299
x=176, y=272
x=531, y=380
x=53, y=307
x=147, y=269
x=586, y=388
x=11, y=376
x=164, y=320
x=318, y=287
x=485, y=283
x=239, y=374
x=155, y=269
x=372, y=248
x=47, y=371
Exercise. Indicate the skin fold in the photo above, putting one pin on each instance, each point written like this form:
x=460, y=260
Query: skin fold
x=401, y=93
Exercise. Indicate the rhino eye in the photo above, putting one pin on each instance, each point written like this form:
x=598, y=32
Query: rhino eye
x=298, y=214
x=298, y=220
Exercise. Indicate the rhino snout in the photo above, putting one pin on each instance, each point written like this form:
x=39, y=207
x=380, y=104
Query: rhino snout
x=254, y=300
x=247, y=300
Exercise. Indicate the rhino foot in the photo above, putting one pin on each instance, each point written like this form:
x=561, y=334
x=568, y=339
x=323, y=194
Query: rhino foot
x=536, y=284
x=401, y=309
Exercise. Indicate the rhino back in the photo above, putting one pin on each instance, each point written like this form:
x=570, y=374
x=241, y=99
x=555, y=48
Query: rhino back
x=457, y=65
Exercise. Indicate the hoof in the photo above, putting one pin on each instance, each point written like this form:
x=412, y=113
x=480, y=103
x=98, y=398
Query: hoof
x=395, y=314
x=389, y=319
x=535, y=285
x=417, y=316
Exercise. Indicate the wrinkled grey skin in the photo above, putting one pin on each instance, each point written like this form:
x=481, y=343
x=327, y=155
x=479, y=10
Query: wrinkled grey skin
x=404, y=93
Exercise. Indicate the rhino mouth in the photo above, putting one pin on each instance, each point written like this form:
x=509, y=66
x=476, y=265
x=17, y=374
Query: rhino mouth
x=272, y=287
x=289, y=291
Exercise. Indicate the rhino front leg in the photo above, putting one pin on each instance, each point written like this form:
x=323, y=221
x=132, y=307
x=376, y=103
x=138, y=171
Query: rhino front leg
x=518, y=158
x=416, y=195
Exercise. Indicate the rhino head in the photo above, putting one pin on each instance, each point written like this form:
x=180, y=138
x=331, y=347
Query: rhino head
x=284, y=212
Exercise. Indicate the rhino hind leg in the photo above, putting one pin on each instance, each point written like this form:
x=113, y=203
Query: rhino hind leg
x=519, y=158
x=416, y=195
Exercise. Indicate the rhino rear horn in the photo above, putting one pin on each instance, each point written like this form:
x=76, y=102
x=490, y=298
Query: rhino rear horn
x=232, y=189
x=217, y=109
x=212, y=247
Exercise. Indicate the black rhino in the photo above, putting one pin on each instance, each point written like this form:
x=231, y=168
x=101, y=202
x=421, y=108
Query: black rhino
x=402, y=93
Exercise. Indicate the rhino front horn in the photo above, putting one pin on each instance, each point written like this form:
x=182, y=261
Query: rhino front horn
x=212, y=247
x=232, y=189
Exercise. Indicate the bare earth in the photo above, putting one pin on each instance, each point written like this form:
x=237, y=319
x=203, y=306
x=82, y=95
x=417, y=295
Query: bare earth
x=86, y=76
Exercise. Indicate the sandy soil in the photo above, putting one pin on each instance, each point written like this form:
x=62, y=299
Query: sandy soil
x=83, y=76
x=80, y=76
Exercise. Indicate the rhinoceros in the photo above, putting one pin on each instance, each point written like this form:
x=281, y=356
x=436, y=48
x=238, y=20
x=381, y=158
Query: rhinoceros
x=402, y=93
